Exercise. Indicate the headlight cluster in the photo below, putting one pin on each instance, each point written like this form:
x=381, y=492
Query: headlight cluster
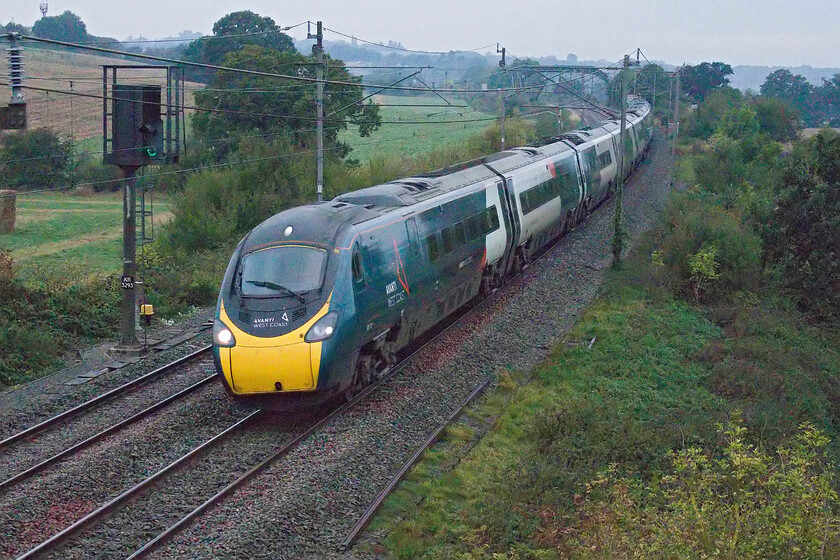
x=222, y=335
x=323, y=329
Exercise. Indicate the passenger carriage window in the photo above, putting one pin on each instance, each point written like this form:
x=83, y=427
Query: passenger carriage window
x=494, y=218
x=432, y=248
x=525, y=201
x=472, y=228
x=460, y=235
x=448, y=241
x=484, y=222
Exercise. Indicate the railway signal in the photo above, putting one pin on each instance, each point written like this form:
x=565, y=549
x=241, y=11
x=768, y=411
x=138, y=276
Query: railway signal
x=138, y=129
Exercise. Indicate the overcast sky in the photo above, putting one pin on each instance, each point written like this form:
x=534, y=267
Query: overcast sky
x=760, y=32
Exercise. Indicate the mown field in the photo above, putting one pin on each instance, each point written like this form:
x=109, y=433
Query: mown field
x=394, y=139
x=75, y=116
x=56, y=231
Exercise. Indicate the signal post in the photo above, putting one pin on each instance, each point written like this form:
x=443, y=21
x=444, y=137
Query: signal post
x=138, y=129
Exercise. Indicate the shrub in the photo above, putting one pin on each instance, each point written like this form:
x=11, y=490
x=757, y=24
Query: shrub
x=40, y=322
x=802, y=236
x=695, y=225
x=744, y=504
x=34, y=159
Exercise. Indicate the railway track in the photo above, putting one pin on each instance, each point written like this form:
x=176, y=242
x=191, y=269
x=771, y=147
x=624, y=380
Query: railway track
x=45, y=449
x=98, y=400
x=134, y=505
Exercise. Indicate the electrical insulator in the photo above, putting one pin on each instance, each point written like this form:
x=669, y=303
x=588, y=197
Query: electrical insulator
x=15, y=55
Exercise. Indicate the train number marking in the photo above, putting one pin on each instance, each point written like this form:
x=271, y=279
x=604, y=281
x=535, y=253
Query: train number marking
x=391, y=288
x=396, y=298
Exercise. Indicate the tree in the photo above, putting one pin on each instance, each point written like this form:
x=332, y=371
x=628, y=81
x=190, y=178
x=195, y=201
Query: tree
x=234, y=32
x=739, y=122
x=794, y=89
x=776, y=118
x=13, y=27
x=652, y=81
x=698, y=81
x=66, y=27
x=703, y=122
x=802, y=238
x=242, y=104
x=34, y=159
x=828, y=98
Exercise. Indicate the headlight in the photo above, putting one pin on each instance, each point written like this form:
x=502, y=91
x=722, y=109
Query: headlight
x=323, y=329
x=222, y=336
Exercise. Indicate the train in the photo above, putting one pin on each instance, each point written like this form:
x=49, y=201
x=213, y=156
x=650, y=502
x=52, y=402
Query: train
x=318, y=300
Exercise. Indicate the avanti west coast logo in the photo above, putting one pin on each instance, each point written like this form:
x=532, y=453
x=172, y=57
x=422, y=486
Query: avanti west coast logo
x=272, y=322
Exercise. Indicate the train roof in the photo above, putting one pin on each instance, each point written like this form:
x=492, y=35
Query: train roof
x=313, y=223
x=413, y=190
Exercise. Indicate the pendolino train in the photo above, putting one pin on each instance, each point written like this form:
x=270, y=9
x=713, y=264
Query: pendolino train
x=317, y=300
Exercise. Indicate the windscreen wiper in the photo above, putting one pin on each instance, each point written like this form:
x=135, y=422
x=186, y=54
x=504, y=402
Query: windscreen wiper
x=276, y=287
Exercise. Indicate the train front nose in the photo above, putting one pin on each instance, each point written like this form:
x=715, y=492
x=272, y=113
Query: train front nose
x=279, y=367
x=268, y=364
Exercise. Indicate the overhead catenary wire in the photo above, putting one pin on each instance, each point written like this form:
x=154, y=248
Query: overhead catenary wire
x=403, y=49
x=109, y=41
x=252, y=114
x=250, y=72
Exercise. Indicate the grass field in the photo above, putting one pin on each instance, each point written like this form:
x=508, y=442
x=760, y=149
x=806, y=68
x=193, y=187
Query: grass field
x=408, y=140
x=57, y=230
x=76, y=116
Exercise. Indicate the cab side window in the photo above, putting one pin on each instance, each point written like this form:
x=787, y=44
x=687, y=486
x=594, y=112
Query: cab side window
x=358, y=269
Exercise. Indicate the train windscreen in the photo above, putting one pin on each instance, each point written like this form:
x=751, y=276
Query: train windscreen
x=282, y=271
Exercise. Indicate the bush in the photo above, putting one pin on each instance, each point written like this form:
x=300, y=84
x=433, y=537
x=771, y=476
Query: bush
x=39, y=322
x=802, y=236
x=177, y=280
x=746, y=504
x=696, y=228
x=34, y=159
x=98, y=176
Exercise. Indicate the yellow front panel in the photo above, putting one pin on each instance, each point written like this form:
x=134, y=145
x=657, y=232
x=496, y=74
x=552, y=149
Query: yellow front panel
x=257, y=364
x=257, y=370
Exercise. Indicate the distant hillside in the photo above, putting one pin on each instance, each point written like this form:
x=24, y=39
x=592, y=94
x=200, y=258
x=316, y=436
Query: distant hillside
x=751, y=77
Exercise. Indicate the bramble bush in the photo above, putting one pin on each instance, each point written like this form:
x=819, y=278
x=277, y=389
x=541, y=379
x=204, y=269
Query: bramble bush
x=740, y=502
x=802, y=239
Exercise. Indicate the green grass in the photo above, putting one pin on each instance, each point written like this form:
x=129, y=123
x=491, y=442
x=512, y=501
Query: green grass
x=60, y=230
x=403, y=140
x=659, y=377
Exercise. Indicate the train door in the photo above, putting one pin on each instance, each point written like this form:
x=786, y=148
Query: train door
x=414, y=267
x=584, y=168
x=512, y=222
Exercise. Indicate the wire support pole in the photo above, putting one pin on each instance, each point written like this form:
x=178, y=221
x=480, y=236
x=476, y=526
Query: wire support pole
x=129, y=338
x=318, y=51
x=618, y=233
x=502, y=51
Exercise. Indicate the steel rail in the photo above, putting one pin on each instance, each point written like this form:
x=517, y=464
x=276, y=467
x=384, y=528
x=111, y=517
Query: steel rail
x=107, y=431
x=380, y=498
x=96, y=400
x=58, y=538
